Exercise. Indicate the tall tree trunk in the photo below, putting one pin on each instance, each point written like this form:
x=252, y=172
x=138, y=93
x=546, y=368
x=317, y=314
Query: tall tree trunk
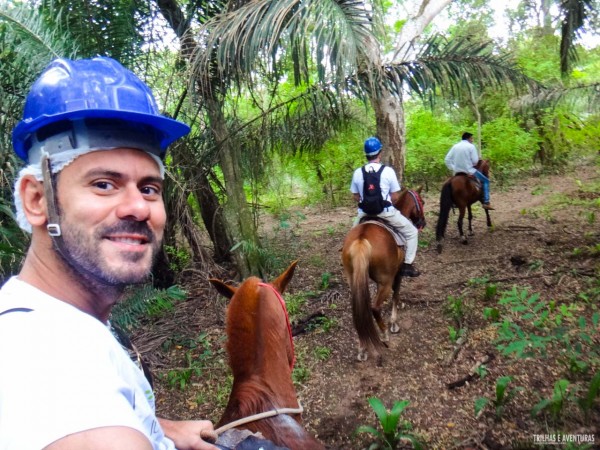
x=237, y=221
x=237, y=214
x=389, y=109
x=391, y=129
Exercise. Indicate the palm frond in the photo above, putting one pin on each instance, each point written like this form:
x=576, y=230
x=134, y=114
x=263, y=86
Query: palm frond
x=32, y=36
x=451, y=68
x=326, y=32
x=575, y=13
x=578, y=97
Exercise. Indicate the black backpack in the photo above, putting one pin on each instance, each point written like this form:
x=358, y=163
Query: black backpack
x=372, y=200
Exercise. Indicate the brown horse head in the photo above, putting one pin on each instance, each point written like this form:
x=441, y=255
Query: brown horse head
x=261, y=356
x=411, y=205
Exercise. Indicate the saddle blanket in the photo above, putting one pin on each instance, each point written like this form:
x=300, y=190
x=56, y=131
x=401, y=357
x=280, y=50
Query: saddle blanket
x=400, y=241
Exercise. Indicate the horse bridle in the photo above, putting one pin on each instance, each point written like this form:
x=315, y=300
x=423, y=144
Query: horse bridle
x=276, y=411
x=287, y=320
x=420, y=222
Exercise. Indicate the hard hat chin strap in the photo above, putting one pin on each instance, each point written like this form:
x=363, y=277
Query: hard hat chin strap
x=53, y=226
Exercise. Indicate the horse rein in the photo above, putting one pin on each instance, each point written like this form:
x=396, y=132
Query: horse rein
x=259, y=416
x=276, y=411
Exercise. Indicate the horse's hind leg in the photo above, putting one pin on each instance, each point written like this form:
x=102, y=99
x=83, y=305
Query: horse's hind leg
x=461, y=216
x=383, y=291
x=470, y=215
x=394, y=327
x=362, y=352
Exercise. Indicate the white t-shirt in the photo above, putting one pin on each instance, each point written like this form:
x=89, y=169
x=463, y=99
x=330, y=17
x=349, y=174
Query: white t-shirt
x=62, y=372
x=388, y=181
x=462, y=157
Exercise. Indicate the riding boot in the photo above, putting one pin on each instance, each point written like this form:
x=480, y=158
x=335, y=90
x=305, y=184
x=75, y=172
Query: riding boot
x=487, y=206
x=408, y=270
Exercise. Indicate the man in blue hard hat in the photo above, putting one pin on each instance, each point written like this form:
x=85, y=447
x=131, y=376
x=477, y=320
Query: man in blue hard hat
x=93, y=141
x=387, y=193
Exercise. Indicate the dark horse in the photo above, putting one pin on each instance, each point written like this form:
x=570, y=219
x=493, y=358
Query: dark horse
x=462, y=191
x=371, y=252
x=261, y=356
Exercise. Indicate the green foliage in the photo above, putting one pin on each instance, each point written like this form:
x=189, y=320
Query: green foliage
x=455, y=334
x=508, y=147
x=490, y=291
x=501, y=399
x=586, y=402
x=178, y=257
x=196, y=361
x=295, y=302
x=533, y=326
x=325, y=279
x=393, y=430
x=555, y=404
x=13, y=242
x=481, y=371
x=455, y=308
x=322, y=353
x=429, y=137
x=143, y=303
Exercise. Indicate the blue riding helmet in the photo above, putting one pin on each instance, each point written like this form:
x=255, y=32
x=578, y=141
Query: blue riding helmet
x=372, y=146
x=97, y=89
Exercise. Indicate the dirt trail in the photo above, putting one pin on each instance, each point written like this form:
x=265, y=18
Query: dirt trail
x=529, y=245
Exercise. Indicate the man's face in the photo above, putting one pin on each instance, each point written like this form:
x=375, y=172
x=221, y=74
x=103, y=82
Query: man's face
x=112, y=215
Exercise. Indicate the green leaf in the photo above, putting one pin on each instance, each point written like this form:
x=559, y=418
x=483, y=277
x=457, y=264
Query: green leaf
x=379, y=408
x=540, y=406
x=480, y=403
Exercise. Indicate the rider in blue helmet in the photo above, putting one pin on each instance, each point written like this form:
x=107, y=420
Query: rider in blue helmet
x=93, y=140
x=375, y=188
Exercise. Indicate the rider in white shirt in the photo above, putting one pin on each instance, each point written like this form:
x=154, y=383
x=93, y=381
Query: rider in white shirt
x=463, y=157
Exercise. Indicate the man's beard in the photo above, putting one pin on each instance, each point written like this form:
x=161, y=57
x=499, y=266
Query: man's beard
x=82, y=254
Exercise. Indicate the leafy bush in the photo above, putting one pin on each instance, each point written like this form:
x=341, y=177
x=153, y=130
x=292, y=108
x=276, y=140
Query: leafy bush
x=145, y=302
x=509, y=148
x=393, y=431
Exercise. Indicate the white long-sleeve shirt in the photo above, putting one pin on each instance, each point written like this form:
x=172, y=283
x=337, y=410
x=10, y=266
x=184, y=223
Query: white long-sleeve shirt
x=462, y=157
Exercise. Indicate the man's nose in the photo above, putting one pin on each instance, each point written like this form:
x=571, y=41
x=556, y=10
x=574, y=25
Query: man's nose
x=133, y=205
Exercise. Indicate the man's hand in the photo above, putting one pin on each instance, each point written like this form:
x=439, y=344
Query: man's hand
x=190, y=434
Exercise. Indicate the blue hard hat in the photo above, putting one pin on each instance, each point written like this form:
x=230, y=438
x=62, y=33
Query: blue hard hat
x=372, y=146
x=97, y=88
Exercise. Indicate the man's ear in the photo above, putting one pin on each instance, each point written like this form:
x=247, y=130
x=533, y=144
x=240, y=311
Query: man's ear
x=34, y=200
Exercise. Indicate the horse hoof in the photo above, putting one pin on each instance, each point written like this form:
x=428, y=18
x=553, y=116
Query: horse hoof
x=362, y=356
x=439, y=248
x=379, y=361
x=471, y=233
x=395, y=328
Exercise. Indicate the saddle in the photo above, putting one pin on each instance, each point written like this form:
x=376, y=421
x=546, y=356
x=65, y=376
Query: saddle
x=400, y=241
x=473, y=180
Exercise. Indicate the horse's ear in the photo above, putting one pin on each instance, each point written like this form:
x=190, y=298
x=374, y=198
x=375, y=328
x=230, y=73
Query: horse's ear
x=282, y=280
x=224, y=289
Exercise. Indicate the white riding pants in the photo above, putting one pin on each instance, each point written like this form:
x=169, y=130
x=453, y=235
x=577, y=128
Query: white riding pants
x=404, y=226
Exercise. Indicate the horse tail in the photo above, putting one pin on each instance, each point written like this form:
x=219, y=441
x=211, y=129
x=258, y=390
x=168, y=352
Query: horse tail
x=368, y=334
x=445, y=205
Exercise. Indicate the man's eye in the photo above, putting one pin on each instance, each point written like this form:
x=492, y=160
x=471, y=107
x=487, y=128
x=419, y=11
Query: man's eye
x=150, y=190
x=104, y=185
